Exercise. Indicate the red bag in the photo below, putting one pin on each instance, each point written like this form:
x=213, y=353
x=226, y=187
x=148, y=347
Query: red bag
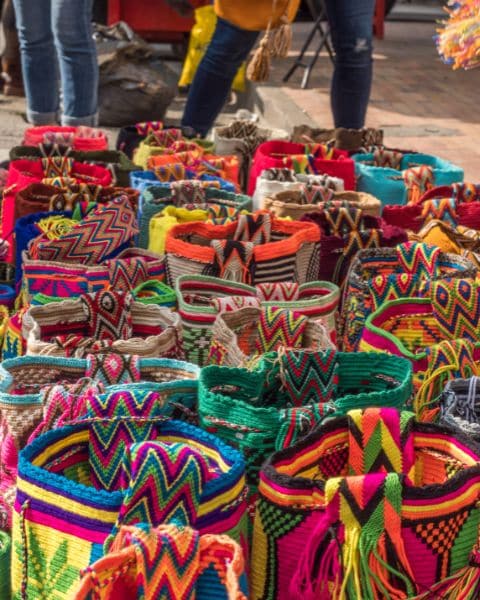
x=315, y=159
x=82, y=138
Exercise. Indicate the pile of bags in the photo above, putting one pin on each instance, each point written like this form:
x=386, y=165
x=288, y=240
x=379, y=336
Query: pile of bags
x=239, y=368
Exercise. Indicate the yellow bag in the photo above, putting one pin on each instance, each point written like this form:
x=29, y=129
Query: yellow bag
x=255, y=15
x=200, y=36
x=170, y=216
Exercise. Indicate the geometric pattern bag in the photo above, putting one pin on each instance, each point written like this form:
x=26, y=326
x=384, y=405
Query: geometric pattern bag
x=370, y=502
x=61, y=521
x=382, y=274
x=166, y=562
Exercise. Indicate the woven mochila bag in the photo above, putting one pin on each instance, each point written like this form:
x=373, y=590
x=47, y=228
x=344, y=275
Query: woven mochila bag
x=371, y=505
x=378, y=275
x=101, y=235
x=220, y=204
x=131, y=268
x=5, y=558
x=169, y=142
x=438, y=332
x=169, y=561
x=130, y=136
x=255, y=249
x=242, y=335
x=460, y=407
x=102, y=322
x=343, y=232
x=81, y=138
x=201, y=299
x=312, y=159
x=273, y=181
x=398, y=178
x=168, y=174
x=295, y=204
x=456, y=204
x=291, y=392
x=79, y=484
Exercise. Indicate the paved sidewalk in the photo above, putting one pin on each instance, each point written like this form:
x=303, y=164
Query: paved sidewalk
x=420, y=102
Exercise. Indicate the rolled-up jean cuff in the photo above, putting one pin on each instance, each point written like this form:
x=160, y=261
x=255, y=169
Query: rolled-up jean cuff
x=41, y=118
x=91, y=120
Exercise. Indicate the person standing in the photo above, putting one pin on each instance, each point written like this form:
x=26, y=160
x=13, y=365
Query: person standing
x=58, y=53
x=237, y=30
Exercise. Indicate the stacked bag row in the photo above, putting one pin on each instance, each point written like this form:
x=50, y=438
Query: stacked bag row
x=238, y=368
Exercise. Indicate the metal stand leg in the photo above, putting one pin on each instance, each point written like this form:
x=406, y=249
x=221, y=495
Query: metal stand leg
x=324, y=42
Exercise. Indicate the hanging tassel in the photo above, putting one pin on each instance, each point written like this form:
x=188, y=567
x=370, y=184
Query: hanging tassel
x=259, y=67
x=282, y=39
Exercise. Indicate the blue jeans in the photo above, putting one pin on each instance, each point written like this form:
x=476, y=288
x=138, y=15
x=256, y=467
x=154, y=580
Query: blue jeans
x=351, y=23
x=56, y=40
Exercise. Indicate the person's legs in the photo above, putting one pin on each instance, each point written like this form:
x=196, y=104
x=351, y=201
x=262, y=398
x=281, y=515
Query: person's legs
x=351, y=23
x=229, y=47
x=38, y=60
x=77, y=54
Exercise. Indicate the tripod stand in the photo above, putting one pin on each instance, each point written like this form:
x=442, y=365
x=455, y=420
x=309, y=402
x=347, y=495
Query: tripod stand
x=323, y=30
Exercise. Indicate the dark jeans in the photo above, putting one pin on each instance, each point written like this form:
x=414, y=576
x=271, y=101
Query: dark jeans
x=351, y=23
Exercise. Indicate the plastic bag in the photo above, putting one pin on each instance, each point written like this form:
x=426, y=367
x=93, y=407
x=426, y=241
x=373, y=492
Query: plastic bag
x=200, y=36
x=132, y=89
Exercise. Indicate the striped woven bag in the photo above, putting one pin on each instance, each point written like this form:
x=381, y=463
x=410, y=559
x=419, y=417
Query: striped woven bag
x=438, y=333
x=169, y=470
x=382, y=274
x=371, y=505
x=290, y=392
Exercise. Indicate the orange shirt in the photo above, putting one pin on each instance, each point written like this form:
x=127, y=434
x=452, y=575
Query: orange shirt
x=255, y=15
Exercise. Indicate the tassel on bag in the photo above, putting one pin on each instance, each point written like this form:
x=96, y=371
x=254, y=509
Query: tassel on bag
x=274, y=44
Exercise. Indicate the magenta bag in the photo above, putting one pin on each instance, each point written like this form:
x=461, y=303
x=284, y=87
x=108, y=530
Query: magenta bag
x=315, y=159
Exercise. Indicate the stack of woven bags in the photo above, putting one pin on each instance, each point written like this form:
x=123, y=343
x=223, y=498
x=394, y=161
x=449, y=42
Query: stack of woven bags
x=238, y=368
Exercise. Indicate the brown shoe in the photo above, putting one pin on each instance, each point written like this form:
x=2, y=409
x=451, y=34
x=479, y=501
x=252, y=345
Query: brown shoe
x=12, y=78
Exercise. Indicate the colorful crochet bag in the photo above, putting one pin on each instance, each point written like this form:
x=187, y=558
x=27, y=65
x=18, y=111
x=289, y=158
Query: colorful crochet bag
x=438, y=332
x=240, y=336
x=102, y=322
x=255, y=249
x=164, y=176
x=378, y=275
x=371, y=505
x=5, y=550
x=398, y=178
x=166, y=470
x=314, y=159
x=201, y=299
x=79, y=138
x=290, y=393
x=295, y=204
x=273, y=181
x=219, y=203
x=456, y=204
x=153, y=291
x=131, y=268
x=129, y=137
x=459, y=406
x=343, y=232
x=168, y=561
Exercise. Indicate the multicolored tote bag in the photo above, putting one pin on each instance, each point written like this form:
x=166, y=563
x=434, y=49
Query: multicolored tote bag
x=343, y=232
x=255, y=249
x=219, y=203
x=201, y=299
x=371, y=505
x=459, y=406
x=398, y=178
x=129, y=137
x=456, y=204
x=81, y=138
x=314, y=159
x=101, y=235
x=378, y=275
x=274, y=181
x=438, y=332
x=289, y=393
x=240, y=336
x=80, y=484
x=166, y=562
x=128, y=270
x=456, y=239
x=102, y=322
x=295, y=204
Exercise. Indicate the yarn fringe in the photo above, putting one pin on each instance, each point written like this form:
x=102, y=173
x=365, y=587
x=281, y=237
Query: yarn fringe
x=259, y=66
